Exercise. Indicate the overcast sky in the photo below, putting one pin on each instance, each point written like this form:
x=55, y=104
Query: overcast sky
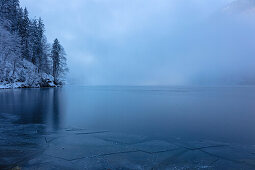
x=145, y=42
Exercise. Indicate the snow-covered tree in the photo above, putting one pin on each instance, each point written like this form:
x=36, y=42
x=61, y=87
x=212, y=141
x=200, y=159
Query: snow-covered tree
x=24, y=34
x=59, y=62
x=25, y=56
x=9, y=54
x=9, y=9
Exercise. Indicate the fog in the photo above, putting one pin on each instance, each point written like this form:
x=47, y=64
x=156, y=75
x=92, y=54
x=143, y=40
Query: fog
x=153, y=42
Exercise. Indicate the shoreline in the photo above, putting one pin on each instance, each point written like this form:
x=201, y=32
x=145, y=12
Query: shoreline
x=19, y=85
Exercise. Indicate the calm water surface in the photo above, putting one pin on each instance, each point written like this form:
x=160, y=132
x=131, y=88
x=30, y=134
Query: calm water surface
x=224, y=114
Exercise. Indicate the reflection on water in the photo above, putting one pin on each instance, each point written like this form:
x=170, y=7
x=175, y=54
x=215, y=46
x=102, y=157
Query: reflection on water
x=34, y=106
x=73, y=123
x=222, y=114
x=26, y=116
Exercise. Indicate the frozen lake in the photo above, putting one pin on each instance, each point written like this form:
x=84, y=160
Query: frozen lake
x=128, y=127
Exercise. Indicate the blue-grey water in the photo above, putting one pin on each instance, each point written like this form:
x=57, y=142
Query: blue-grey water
x=218, y=113
x=222, y=114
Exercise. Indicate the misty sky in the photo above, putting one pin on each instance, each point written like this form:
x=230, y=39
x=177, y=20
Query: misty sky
x=150, y=42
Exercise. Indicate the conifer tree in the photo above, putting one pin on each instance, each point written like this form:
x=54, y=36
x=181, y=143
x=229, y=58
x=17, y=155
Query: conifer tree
x=24, y=34
x=59, y=62
x=40, y=44
x=33, y=40
x=25, y=55
x=9, y=9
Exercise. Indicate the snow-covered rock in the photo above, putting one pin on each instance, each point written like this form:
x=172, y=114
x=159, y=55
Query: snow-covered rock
x=26, y=76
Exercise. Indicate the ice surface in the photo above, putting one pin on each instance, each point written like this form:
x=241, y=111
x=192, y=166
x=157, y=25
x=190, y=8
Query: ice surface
x=37, y=131
x=29, y=147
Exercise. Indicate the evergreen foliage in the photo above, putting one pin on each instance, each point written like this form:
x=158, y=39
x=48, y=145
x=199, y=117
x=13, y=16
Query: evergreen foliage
x=24, y=49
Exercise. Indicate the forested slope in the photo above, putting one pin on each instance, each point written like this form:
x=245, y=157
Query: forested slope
x=26, y=58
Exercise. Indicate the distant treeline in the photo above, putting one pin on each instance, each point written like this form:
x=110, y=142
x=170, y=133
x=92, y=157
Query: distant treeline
x=26, y=57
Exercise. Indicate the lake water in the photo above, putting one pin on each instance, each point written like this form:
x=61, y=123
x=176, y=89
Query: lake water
x=222, y=114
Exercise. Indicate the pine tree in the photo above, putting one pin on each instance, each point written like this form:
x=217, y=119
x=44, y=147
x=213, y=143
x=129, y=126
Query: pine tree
x=14, y=15
x=9, y=9
x=25, y=55
x=40, y=44
x=24, y=34
x=59, y=62
x=33, y=40
x=19, y=20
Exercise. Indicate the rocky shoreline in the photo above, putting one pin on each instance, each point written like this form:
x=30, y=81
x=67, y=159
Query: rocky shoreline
x=46, y=81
